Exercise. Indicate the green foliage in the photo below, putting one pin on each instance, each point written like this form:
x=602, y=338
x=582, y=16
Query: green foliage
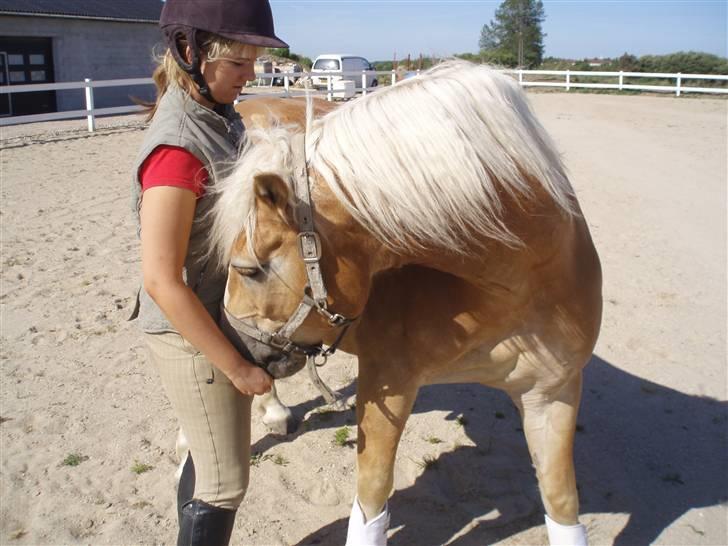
x=280, y=51
x=685, y=62
x=424, y=64
x=257, y=458
x=427, y=462
x=514, y=37
x=74, y=459
x=628, y=63
x=382, y=65
x=691, y=62
x=140, y=468
x=280, y=460
x=285, y=53
x=341, y=436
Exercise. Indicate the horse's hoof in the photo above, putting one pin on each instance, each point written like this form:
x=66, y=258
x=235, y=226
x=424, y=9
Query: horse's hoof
x=280, y=421
x=565, y=535
x=367, y=533
x=282, y=428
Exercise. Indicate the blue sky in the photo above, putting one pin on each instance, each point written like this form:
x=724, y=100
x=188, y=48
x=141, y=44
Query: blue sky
x=574, y=28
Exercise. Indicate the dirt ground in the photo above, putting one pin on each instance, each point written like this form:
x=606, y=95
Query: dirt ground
x=652, y=448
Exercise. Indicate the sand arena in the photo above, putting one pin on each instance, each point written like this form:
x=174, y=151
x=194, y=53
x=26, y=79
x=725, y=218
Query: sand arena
x=650, y=173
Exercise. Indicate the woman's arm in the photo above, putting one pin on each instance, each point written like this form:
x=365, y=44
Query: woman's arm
x=166, y=220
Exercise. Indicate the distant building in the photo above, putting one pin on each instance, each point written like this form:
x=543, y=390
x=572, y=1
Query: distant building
x=45, y=41
x=596, y=62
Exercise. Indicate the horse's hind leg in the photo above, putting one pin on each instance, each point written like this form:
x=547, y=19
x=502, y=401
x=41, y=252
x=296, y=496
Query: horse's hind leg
x=549, y=421
x=384, y=402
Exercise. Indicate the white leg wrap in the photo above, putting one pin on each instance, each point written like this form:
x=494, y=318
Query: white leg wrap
x=367, y=533
x=565, y=535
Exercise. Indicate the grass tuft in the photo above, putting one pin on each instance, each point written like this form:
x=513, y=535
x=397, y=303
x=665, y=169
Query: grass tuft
x=280, y=460
x=140, y=468
x=341, y=436
x=257, y=458
x=427, y=462
x=74, y=459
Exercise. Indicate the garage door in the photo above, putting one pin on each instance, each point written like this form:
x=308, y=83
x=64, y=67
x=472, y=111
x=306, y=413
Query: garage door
x=26, y=61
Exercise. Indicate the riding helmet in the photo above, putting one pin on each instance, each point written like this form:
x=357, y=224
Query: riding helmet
x=245, y=21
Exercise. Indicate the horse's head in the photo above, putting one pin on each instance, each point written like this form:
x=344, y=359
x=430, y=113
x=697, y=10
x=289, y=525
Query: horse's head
x=298, y=264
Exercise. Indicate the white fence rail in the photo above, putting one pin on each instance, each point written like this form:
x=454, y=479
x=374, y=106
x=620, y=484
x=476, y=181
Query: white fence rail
x=331, y=92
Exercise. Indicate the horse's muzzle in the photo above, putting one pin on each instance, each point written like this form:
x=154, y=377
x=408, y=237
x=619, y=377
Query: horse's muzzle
x=274, y=361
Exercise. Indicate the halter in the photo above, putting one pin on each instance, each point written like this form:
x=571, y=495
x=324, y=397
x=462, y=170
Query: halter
x=314, y=296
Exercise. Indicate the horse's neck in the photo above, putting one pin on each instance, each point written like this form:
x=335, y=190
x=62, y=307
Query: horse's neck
x=493, y=265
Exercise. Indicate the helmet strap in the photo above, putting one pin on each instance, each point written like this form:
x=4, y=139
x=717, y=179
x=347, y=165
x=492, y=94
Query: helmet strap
x=193, y=68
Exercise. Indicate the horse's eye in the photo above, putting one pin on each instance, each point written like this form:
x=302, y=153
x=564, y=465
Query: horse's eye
x=246, y=271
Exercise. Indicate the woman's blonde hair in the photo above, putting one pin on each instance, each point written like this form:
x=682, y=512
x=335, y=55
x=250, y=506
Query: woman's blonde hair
x=213, y=47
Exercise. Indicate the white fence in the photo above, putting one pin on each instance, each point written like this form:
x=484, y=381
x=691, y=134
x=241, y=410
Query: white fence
x=288, y=90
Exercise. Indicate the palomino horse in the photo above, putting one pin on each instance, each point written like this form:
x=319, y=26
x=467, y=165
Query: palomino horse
x=435, y=221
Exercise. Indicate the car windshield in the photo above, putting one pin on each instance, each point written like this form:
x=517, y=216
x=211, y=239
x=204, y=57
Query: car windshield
x=327, y=64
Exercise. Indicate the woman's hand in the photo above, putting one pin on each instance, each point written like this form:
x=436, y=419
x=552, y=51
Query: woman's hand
x=250, y=380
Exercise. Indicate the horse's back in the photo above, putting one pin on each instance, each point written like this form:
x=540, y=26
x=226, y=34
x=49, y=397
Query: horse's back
x=262, y=112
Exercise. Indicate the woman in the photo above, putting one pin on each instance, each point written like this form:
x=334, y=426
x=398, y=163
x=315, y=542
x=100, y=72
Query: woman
x=212, y=47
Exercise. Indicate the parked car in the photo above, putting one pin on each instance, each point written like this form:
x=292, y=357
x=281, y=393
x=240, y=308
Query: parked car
x=348, y=67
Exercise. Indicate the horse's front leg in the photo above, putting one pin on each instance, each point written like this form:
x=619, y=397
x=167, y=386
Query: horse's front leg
x=385, y=396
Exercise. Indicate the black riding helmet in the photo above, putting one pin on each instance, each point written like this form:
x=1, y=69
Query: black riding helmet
x=246, y=21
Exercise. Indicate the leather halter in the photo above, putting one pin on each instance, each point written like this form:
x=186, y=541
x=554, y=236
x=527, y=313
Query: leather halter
x=314, y=296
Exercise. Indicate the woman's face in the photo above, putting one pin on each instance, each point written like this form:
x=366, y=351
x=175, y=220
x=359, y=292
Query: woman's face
x=227, y=76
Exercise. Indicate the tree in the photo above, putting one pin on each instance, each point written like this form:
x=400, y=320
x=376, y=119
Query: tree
x=515, y=37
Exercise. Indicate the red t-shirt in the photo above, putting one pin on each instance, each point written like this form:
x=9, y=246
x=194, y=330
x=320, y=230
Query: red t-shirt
x=173, y=166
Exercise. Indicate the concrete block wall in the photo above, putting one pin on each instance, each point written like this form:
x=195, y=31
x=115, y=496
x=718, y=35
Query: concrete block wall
x=100, y=50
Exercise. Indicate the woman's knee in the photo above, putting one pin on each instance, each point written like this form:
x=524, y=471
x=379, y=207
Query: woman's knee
x=229, y=491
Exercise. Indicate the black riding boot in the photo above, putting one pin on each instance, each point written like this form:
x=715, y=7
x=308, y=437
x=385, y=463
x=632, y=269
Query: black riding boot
x=186, y=486
x=205, y=525
x=200, y=524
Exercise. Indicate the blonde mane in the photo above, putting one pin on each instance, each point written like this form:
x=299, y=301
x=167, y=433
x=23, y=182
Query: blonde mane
x=420, y=164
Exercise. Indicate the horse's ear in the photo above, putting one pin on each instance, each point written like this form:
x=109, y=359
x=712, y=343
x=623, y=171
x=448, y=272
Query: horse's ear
x=272, y=189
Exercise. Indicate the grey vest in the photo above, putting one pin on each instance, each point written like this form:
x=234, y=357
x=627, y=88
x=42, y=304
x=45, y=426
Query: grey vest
x=214, y=139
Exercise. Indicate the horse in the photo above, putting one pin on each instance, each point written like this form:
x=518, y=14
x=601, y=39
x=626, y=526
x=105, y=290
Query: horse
x=430, y=229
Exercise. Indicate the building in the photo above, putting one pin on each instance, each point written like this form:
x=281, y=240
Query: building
x=45, y=41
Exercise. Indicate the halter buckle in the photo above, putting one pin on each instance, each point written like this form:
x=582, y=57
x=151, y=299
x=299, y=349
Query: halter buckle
x=309, y=246
x=281, y=343
x=336, y=319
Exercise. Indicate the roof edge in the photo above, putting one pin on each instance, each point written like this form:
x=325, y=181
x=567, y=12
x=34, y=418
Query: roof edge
x=86, y=17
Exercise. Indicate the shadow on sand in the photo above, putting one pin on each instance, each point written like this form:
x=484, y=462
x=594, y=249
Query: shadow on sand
x=642, y=449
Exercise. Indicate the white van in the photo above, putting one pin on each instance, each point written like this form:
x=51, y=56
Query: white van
x=349, y=66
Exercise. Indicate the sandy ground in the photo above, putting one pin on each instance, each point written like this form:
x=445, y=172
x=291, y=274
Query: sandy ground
x=651, y=450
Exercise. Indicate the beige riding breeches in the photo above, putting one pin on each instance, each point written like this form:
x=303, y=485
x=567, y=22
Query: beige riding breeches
x=213, y=414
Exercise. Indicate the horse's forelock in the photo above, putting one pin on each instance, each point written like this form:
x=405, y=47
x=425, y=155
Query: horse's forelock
x=265, y=151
